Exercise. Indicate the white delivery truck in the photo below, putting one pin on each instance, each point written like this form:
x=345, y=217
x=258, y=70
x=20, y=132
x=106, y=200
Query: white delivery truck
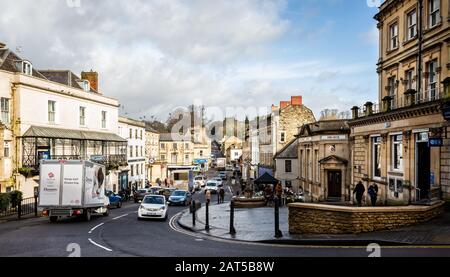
x=221, y=164
x=72, y=188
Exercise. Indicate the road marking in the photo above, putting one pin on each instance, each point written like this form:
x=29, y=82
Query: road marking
x=90, y=232
x=98, y=245
x=120, y=216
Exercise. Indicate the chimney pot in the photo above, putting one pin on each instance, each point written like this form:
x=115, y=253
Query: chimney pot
x=2, y=45
x=284, y=104
x=296, y=100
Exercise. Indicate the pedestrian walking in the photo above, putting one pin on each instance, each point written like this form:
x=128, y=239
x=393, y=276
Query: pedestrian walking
x=373, y=192
x=359, y=191
x=222, y=195
x=208, y=196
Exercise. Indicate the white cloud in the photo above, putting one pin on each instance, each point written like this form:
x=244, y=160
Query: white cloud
x=154, y=55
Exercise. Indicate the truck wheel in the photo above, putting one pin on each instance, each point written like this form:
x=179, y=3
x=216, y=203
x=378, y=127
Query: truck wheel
x=53, y=219
x=87, y=215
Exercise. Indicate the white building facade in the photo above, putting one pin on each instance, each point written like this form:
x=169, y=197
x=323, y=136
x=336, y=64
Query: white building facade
x=52, y=115
x=134, y=132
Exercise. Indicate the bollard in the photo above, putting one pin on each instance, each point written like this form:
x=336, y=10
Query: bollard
x=35, y=205
x=19, y=210
x=232, y=230
x=278, y=233
x=193, y=213
x=207, y=216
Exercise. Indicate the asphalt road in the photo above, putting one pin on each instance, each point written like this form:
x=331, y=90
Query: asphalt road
x=121, y=234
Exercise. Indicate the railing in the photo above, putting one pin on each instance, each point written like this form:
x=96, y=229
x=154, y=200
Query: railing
x=407, y=100
x=27, y=206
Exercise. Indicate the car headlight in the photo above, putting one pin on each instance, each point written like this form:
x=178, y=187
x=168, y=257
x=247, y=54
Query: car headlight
x=163, y=208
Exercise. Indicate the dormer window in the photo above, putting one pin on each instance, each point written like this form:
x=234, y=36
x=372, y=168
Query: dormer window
x=86, y=85
x=27, y=68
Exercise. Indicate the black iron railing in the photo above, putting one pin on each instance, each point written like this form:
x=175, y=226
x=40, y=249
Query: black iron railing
x=26, y=207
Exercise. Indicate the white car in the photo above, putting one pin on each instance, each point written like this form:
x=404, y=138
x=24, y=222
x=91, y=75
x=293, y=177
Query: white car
x=200, y=181
x=153, y=206
x=219, y=181
x=212, y=186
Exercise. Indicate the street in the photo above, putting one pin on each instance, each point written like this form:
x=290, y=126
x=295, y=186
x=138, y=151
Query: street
x=122, y=235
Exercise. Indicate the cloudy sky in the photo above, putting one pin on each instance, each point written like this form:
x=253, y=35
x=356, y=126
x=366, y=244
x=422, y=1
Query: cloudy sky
x=155, y=55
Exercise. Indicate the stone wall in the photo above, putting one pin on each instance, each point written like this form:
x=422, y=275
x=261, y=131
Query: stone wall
x=326, y=219
x=445, y=168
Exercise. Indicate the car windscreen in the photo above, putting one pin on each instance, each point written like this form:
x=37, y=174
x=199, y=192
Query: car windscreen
x=153, y=200
x=142, y=191
x=211, y=184
x=179, y=193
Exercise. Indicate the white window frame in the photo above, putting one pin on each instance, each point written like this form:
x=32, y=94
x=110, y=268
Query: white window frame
x=376, y=141
x=411, y=20
x=51, y=114
x=27, y=68
x=409, y=77
x=393, y=36
x=6, y=149
x=82, y=112
x=433, y=79
x=434, y=8
x=5, y=111
x=104, y=116
x=397, y=141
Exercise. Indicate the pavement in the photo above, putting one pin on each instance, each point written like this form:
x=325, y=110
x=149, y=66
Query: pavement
x=257, y=225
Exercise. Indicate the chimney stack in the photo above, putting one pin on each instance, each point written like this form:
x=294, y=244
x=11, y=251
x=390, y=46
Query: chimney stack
x=284, y=104
x=274, y=107
x=296, y=100
x=92, y=77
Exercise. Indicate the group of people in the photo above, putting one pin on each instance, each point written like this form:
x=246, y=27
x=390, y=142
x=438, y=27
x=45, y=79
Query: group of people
x=221, y=195
x=360, y=190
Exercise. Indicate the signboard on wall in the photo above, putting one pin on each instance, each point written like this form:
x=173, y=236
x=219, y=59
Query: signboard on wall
x=435, y=142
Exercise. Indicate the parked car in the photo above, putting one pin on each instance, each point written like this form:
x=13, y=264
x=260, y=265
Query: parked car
x=200, y=182
x=219, y=181
x=114, y=199
x=180, y=197
x=140, y=194
x=167, y=192
x=153, y=206
x=229, y=168
x=212, y=186
x=155, y=190
x=223, y=175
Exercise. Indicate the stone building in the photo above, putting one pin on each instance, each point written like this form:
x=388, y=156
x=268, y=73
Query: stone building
x=154, y=166
x=280, y=127
x=402, y=143
x=324, y=161
x=177, y=151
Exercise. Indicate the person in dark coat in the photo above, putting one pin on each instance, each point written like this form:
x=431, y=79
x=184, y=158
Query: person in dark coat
x=222, y=195
x=359, y=191
x=373, y=192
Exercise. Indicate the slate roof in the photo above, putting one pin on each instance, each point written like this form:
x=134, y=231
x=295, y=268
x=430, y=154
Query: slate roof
x=290, y=151
x=174, y=137
x=325, y=127
x=9, y=62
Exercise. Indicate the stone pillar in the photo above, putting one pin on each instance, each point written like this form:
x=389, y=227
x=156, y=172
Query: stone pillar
x=355, y=112
x=368, y=108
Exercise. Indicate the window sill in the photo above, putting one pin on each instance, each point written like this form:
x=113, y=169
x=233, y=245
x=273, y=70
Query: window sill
x=432, y=28
x=406, y=42
x=390, y=51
